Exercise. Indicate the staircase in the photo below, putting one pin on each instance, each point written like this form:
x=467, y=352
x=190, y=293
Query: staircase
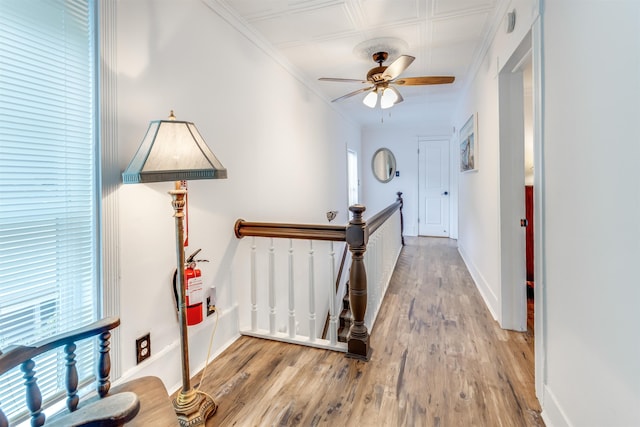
x=345, y=318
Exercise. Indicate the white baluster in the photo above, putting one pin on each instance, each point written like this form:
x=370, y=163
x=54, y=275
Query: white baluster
x=381, y=268
x=272, y=289
x=371, y=283
x=292, y=301
x=254, y=287
x=312, y=296
x=368, y=264
x=333, y=320
x=376, y=278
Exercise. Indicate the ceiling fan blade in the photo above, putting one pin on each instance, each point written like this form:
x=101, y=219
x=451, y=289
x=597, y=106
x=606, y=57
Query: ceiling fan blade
x=432, y=80
x=400, y=98
x=397, y=67
x=355, y=92
x=331, y=79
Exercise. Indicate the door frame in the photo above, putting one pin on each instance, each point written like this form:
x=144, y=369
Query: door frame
x=513, y=298
x=512, y=204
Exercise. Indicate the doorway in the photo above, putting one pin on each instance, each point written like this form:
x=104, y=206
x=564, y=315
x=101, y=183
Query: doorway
x=529, y=191
x=353, y=182
x=520, y=85
x=515, y=85
x=433, y=188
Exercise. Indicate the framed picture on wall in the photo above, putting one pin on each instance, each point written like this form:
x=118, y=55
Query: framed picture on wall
x=469, y=145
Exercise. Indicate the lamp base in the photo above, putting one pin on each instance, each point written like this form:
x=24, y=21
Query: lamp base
x=193, y=408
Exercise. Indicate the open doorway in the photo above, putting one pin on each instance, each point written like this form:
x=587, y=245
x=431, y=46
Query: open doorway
x=529, y=191
x=516, y=157
x=521, y=153
x=353, y=183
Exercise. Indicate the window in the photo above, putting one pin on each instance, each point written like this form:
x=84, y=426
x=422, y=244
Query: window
x=352, y=176
x=49, y=187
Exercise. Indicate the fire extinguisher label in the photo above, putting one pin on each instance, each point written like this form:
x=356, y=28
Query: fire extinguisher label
x=195, y=291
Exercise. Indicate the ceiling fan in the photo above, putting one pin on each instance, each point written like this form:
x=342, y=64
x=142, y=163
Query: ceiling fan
x=384, y=77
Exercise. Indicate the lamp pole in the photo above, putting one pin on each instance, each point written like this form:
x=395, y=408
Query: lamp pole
x=192, y=407
x=172, y=151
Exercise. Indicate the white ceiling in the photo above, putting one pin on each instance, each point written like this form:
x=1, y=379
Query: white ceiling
x=319, y=37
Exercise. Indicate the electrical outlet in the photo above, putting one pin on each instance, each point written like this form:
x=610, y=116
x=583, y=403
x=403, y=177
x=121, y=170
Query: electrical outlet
x=211, y=301
x=211, y=308
x=143, y=348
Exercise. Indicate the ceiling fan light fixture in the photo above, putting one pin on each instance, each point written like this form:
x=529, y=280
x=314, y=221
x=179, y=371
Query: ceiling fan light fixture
x=371, y=99
x=382, y=77
x=389, y=98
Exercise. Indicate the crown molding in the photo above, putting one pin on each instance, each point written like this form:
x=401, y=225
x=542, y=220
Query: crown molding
x=481, y=52
x=224, y=11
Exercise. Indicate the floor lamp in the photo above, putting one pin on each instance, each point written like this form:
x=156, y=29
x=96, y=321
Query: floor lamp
x=174, y=150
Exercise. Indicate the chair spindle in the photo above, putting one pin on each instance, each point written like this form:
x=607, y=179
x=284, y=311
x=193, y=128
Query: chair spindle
x=33, y=394
x=72, y=377
x=104, y=365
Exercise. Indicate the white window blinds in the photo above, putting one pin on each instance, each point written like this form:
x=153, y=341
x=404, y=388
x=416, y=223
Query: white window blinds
x=48, y=182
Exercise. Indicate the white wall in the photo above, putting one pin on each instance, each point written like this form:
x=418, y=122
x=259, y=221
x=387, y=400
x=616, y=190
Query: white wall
x=479, y=191
x=590, y=370
x=284, y=148
x=592, y=199
x=478, y=198
x=403, y=143
x=184, y=57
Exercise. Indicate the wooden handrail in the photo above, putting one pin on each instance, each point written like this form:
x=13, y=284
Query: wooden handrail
x=356, y=234
x=378, y=219
x=336, y=233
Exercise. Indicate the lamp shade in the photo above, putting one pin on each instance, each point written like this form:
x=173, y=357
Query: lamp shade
x=389, y=98
x=371, y=99
x=173, y=150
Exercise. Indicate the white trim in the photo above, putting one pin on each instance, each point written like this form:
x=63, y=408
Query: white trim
x=552, y=413
x=221, y=8
x=169, y=356
x=108, y=131
x=540, y=320
x=481, y=52
x=299, y=339
x=511, y=205
x=489, y=297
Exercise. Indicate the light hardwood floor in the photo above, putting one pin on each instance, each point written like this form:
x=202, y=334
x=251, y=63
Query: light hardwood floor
x=439, y=359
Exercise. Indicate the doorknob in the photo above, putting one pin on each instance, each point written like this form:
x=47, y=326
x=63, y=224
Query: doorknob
x=446, y=193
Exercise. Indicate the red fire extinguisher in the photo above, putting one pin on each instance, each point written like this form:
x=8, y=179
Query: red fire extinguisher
x=194, y=289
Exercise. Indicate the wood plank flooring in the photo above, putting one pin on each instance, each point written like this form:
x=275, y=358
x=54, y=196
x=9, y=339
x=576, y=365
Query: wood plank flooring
x=439, y=359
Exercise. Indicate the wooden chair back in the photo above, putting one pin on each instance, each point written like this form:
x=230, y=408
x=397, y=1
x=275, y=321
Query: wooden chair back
x=23, y=356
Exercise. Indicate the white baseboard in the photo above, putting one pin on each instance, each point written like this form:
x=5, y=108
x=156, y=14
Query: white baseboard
x=552, y=412
x=166, y=363
x=489, y=297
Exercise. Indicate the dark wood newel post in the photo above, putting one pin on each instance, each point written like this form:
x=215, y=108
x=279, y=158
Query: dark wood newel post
x=357, y=236
x=399, y=199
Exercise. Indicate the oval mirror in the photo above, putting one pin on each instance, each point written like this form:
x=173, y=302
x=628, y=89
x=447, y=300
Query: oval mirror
x=383, y=165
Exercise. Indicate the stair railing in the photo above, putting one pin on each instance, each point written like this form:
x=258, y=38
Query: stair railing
x=383, y=233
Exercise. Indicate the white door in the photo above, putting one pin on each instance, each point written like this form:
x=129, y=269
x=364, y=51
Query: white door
x=352, y=177
x=434, y=188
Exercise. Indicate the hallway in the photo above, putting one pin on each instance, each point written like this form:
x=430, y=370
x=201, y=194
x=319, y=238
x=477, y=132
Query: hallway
x=439, y=359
